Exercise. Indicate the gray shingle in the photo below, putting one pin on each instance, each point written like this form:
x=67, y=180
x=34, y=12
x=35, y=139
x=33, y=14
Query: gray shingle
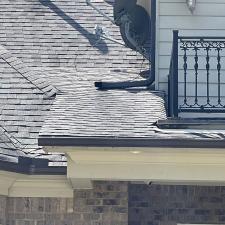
x=19, y=67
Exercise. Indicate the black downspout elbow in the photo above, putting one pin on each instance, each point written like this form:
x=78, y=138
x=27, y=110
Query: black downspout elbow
x=125, y=84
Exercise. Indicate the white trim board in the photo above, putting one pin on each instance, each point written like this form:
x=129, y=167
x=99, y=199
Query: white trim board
x=161, y=166
x=19, y=185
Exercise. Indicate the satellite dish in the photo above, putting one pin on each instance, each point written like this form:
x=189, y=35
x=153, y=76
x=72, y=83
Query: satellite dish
x=134, y=20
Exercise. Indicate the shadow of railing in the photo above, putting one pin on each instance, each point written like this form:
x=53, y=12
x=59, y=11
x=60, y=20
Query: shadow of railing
x=101, y=46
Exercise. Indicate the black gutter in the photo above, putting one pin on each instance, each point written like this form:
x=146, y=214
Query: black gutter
x=30, y=166
x=130, y=142
x=153, y=37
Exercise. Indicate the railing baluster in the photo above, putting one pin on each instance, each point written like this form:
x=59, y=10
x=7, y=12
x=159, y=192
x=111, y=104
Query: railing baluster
x=207, y=72
x=175, y=73
x=218, y=69
x=196, y=74
x=185, y=66
x=173, y=78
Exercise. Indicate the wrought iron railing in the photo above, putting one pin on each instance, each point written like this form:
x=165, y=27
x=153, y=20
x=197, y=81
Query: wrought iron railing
x=197, y=75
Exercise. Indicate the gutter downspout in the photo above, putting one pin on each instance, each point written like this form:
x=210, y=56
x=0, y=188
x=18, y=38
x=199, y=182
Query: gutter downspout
x=129, y=84
x=125, y=84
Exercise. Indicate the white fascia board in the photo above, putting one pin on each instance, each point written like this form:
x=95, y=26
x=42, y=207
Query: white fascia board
x=148, y=156
x=71, y=149
x=166, y=166
x=199, y=224
x=19, y=185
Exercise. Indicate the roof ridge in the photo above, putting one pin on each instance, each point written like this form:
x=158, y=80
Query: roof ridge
x=47, y=89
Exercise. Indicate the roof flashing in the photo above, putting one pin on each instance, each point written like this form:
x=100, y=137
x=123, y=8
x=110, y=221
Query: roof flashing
x=215, y=124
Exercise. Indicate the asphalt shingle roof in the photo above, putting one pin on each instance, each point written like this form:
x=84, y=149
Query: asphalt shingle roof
x=48, y=48
x=46, y=45
x=25, y=100
x=84, y=111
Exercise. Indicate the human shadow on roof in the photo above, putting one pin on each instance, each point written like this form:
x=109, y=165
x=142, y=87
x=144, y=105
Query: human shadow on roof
x=101, y=46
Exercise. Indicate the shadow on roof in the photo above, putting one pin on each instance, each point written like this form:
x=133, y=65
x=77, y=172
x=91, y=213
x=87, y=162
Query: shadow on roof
x=103, y=48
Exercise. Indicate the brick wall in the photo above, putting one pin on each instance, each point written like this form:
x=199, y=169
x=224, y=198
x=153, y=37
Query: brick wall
x=2, y=210
x=105, y=204
x=169, y=205
x=39, y=211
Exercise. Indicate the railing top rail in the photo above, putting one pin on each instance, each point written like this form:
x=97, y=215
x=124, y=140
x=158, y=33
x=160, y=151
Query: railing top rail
x=201, y=38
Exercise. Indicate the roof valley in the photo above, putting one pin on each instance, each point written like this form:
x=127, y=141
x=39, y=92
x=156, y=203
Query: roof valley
x=41, y=84
x=18, y=146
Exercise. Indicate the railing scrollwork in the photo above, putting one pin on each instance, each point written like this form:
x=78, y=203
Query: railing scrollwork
x=199, y=69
